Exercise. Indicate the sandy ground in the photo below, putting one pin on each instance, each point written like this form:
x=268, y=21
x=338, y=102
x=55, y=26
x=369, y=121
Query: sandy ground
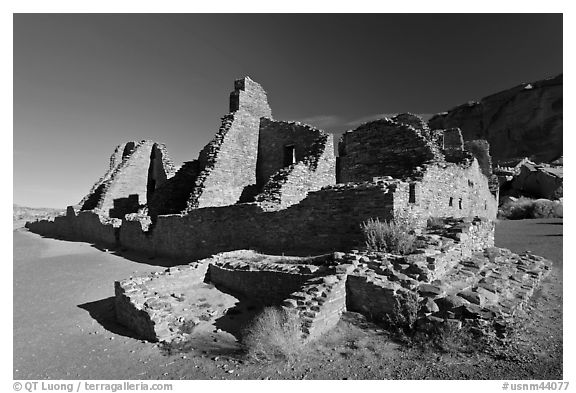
x=64, y=326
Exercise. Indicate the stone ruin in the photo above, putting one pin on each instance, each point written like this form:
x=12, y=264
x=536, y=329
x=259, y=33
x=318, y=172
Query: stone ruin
x=264, y=188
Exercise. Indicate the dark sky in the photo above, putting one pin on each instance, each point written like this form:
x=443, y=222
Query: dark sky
x=84, y=83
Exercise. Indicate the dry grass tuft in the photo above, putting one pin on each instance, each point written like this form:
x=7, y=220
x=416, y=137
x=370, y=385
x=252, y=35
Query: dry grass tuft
x=274, y=334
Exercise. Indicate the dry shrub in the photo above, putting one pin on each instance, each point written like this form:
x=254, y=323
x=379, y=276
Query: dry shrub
x=274, y=334
x=524, y=208
x=389, y=236
x=435, y=223
x=404, y=313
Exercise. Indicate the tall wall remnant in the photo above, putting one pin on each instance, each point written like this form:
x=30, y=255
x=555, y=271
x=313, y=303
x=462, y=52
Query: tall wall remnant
x=136, y=168
x=228, y=163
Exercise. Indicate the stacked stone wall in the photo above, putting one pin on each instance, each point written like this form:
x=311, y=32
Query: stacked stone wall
x=327, y=220
x=267, y=284
x=315, y=165
x=131, y=168
x=148, y=313
x=85, y=226
x=160, y=170
x=228, y=163
x=447, y=190
x=172, y=196
x=373, y=296
x=276, y=135
x=319, y=304
x=383, y=148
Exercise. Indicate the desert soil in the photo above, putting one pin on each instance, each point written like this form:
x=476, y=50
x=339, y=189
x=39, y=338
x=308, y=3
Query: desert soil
x=64, y=327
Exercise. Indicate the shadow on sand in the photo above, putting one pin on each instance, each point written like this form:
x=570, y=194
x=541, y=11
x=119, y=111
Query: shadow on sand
x=104, y=313
x=140, y=258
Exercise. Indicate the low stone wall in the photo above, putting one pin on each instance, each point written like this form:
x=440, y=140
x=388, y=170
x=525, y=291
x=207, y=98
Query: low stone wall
x=84, y=226
x=268, y=284
x=319, y=304
x=371, y=295
x=151, y=314
x=485, y=287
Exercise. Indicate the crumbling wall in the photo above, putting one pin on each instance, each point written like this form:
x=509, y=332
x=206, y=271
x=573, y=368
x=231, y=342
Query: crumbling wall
x=326, y=220
x=309, y=166
x=172, y=196
x=275, y=137
x=92, y=199
x=228, y=163
x=447, y=190
x=160, y=170
x=132, y=166
x=149, y=313
x=84, y=226
x=415, y=122
x=383, y=148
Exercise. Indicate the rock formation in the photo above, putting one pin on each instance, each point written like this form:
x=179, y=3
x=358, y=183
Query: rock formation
x=525, y=121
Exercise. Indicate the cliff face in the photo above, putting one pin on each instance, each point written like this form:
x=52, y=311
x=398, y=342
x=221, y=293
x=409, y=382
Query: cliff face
x=525, y=121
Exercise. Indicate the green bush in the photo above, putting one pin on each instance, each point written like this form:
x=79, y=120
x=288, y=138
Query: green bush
x=389, y=236
x=274, y=334
x=524, y=208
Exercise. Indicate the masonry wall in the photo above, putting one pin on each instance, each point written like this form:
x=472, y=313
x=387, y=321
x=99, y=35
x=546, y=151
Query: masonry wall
x=274, y=137
x=86, y=226
x=315, y=165
x=267, y=287
x=383, y=148
x=327, y=220
x=93, y=198
x=228, y=163
x=319, y=304
x=131, y=168
x=159, y=170
x=448, y=190
x=144, y=311
x=372, y=296
x=172, y=196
